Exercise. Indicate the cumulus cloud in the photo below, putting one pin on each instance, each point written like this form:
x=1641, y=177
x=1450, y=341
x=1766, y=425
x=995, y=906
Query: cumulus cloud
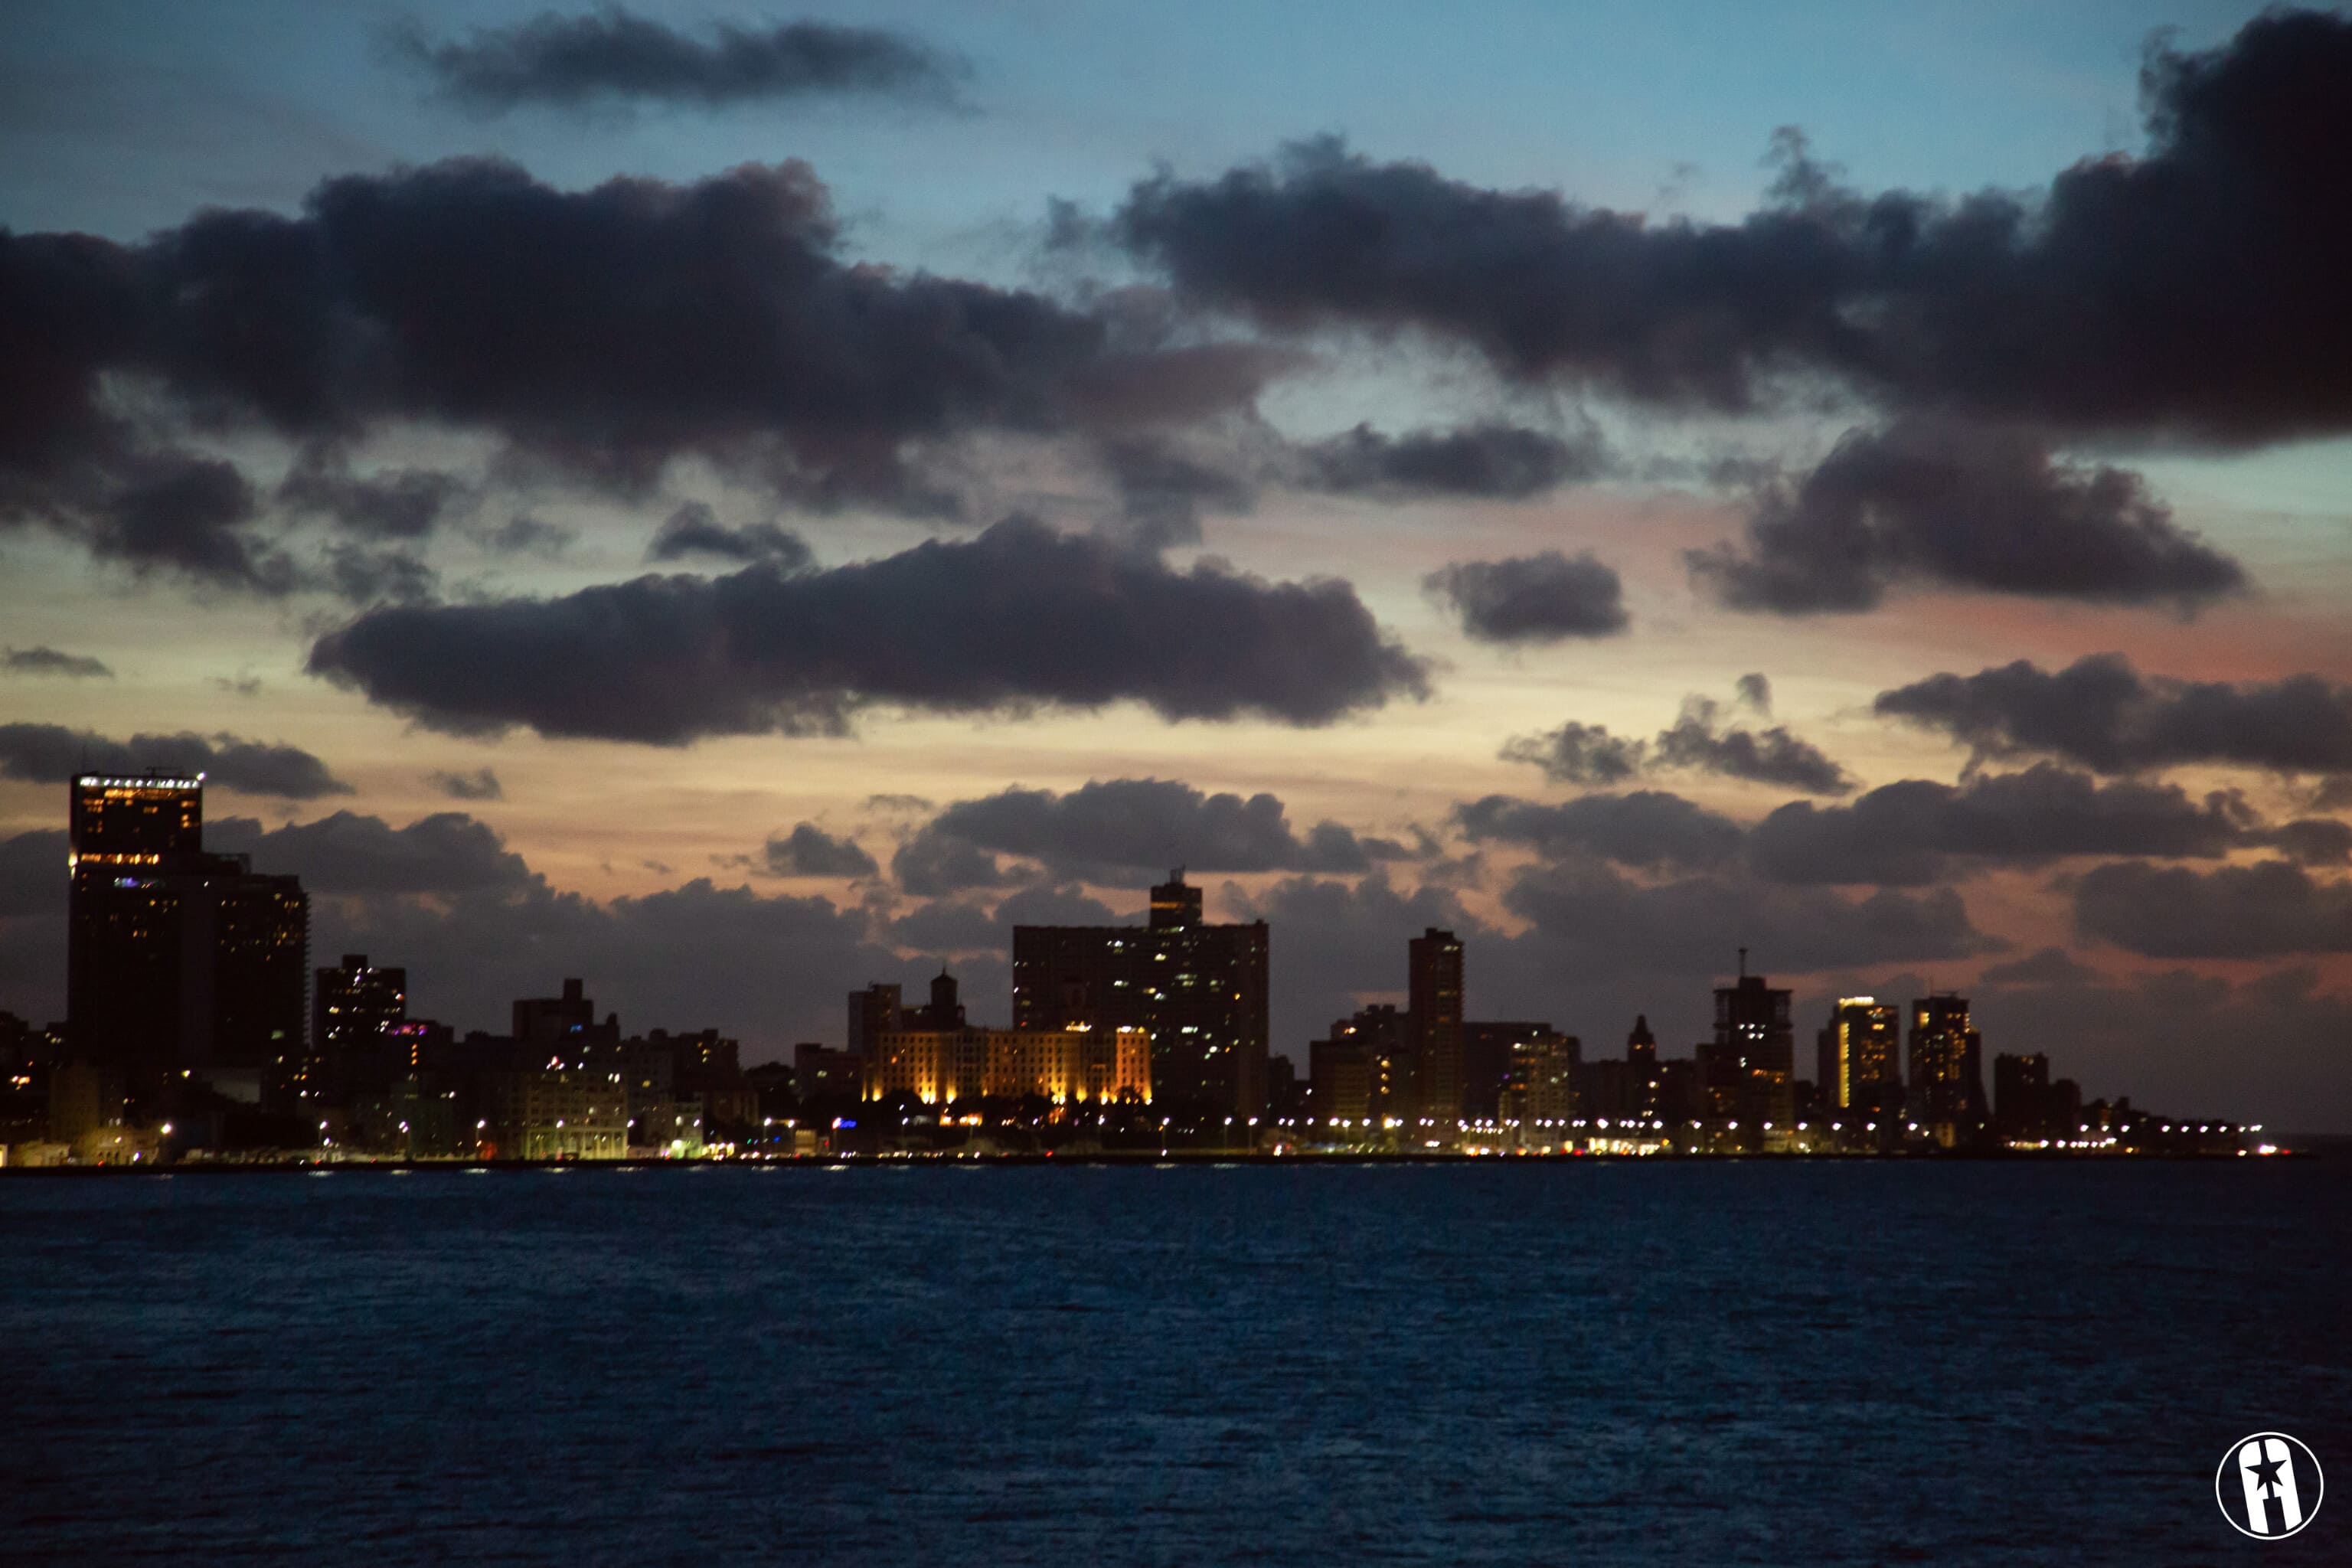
x=50, y=661
x=1647, y=828
x=1483, y=461
x=1578, y=753
x=479, y=785
x=51, y=754
x=809, y=850
x=2260, y=911
x=1540, y=599
x=1944, y=505
x=695, y=529
x=2193, y=290
x=1918, y=832
x=449, y=852
x=1017, y=619
x=597, y=333
x=1129, y=830
x=615, y=56
x=2103, y=714
x=1701, y=741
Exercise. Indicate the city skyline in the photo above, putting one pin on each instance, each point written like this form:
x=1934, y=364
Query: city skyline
x=859, y=515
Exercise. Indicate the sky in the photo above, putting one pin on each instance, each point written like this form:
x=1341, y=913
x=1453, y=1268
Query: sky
x=734, y=504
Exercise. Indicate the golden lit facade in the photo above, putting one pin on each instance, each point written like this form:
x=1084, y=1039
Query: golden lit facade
x=1075, y=1066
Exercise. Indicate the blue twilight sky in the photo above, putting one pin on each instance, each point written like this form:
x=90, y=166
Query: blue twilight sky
x=1513, y=556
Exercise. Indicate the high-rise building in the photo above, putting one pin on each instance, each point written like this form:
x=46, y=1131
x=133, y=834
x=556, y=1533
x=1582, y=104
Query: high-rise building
x=872, y=1012
x=177, y=960
x=1751, y=1065
x=1197, y=990
x=354, y=1010
x=1489, y=1059
x=1542, y=1094
x=1434, y=997
x=1946, y=1075
x=1860, y=1055
x=2021, y=1098
x=1642, y=1081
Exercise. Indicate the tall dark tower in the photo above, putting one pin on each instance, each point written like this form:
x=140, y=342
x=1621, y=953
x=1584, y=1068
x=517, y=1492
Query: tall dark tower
x=1175, y=902
x=179, y=963
x=1434, y=997
x=1642, y=1067
x=1751, y=1065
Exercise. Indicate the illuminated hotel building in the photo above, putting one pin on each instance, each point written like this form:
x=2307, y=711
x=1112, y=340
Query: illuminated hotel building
x=1198, y=991
x=1860, y=1055
x=1073, y=1065
x=179, y=961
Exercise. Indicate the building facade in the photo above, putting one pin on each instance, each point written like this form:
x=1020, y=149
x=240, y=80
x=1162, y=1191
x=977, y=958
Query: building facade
x=1197, y=991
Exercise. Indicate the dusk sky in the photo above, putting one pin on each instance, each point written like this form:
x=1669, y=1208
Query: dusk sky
x=736, y=504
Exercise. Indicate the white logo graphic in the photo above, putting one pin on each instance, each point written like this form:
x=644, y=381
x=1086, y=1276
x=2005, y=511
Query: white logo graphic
x=2269, y=1486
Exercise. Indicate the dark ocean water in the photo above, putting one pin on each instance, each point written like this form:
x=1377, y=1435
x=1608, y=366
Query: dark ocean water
x=1791, y=1363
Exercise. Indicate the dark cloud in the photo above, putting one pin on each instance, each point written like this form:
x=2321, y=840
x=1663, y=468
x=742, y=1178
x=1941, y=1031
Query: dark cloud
x=1578, y=753
x=2312, y=841
x=50, y=661
x=1055, y=907
x=363, y=576
x=1945, y=505
x=2194, y=289
x=1919, y=832
x=2102, y=714
x=1124, y=828
x=695, y=529
x=809, y=850
x=929, y=865
x=1604, y=920
x=449, y=852
x=598, y=333
x=51, y=754
x=1504, y=462
x=1699, y=740
x=479, y=785
x=615, y=56
x=523, y=534
x=1017, y=619
x=394, y=504
x=1532, y=598
x=1647, y=828
x=33, y=875
x=2261, y=910
x=1164, y=489
x=2050, y=967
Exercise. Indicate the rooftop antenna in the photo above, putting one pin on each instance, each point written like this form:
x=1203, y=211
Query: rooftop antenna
x=1743, y=964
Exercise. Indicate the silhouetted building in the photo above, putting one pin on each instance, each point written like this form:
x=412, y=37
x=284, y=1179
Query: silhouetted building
x=1542, y=1094
x=1642, y=1066
x=1860, y=1052
x=1198, y=991
x=2020, y=1097
x=1947, y=1094
x=1362, y=1071
x=873, y=1011
x=354, y=1009
x=1488, y=1059
x=1750, y=1065
x=558, y=1025
x=179, y=961
x=820, y=1073
x=1434, y=997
